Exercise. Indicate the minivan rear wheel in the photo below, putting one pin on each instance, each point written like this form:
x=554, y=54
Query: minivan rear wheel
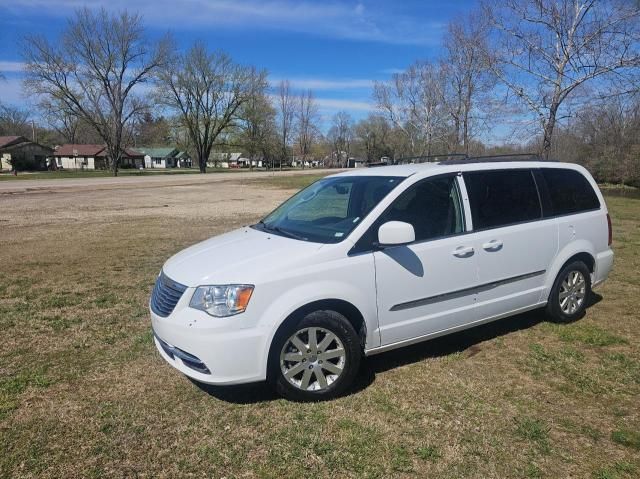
x=316, y=358
x=570, y=293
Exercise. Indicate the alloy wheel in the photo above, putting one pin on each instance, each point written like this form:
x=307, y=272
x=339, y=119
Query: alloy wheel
x=572, y=292
x=312, y=359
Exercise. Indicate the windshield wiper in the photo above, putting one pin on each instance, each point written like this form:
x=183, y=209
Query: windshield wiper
x=283, y=232
x=288, y=233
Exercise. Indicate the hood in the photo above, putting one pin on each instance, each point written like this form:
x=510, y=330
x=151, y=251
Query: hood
x=241, y=256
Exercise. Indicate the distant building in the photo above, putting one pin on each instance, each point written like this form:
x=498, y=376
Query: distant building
x=19, y=153
x=164, y=157
x=184, y=160
x=355, y=163
x=298, y=162
x=81, y=157
x=92, y=157
x=218, y=159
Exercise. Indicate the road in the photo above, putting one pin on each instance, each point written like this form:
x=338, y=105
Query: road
x=68, y=184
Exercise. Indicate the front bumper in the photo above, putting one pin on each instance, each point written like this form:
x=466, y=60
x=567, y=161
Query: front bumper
x=210, y=351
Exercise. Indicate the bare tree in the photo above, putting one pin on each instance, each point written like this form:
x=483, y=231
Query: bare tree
x=306, y=116
x=207, y=90
x=14, y=121
x=467, y=75
x=413, y=102
x=93, y=72
x=373, y=135
x=61, y=119
x=258, y=131
x=286, y=115
x=390, y=100
x=341, y=136
x=548, y=49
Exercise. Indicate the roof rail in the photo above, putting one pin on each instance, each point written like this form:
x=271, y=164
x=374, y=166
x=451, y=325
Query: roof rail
x=427, y=158
x=495, y=159
x=376, y=164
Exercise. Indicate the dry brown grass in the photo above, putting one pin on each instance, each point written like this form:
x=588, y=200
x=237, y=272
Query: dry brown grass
x=83, y=392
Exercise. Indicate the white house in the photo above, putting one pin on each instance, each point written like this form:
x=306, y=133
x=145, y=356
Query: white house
x=91, y=157
x=159, y=157
x=80, y=157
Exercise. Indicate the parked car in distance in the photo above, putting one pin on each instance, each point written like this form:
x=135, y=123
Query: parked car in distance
x=374, y=259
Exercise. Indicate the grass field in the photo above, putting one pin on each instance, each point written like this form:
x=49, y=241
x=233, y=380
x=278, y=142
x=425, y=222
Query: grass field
x=84, y=394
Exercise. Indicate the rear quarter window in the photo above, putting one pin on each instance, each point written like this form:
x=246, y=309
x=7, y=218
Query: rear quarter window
x=502, y=197
x=569, y=191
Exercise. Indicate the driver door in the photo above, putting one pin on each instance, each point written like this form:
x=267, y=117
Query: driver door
x=426, y=286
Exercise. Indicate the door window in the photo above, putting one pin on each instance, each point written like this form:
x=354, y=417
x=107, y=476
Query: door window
x=502, y=197
x=432, y=207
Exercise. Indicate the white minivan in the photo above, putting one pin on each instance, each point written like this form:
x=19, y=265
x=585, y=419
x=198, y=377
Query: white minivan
x=377, y=258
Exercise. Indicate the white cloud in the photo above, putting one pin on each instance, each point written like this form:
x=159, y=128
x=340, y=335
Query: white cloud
x=392, y=71
x=13, y=67
x=329, y=106
x=11, y=91
x=332, y=19
x=323, y=83
x=340, y=104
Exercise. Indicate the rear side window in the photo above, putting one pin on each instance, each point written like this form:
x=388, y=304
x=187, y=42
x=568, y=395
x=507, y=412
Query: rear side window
x=569, y=191
x=502, y=197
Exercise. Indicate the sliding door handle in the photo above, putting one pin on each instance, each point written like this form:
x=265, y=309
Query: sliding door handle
x=463, y=251
x=493, y=245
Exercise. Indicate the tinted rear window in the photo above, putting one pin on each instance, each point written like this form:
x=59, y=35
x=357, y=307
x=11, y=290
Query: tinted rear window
x=502, y=197
x=569, y=191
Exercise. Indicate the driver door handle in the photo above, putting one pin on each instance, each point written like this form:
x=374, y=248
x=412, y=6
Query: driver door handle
x=463, y=251
x=493, y=245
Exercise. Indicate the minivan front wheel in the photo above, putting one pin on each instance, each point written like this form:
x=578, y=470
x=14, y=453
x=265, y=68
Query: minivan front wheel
x=570, y=293
x=317, y=358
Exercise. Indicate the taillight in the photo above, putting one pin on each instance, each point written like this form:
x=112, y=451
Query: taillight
x=610, y=229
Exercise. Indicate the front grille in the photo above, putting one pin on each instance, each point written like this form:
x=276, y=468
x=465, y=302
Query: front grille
x=165, y=296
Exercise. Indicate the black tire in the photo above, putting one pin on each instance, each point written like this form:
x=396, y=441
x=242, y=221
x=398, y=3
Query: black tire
x=327, y=322
x=554, y=309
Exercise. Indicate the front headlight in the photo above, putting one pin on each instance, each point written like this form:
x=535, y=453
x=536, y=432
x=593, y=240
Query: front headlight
x=222, y=300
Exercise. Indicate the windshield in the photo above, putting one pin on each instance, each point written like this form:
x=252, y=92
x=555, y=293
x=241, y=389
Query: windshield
x=329, y=209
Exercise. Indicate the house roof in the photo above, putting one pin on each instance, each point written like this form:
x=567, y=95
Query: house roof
x=158, y=152
x=10, y=140
x=222, y=156
x=131, y=153
x=80, y=150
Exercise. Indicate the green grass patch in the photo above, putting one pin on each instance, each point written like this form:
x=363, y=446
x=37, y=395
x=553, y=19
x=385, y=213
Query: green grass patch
x=12, y=386
x=428, y=453
x=618, y=470
x=588, y=334
x=534, y=431
x=626, y=438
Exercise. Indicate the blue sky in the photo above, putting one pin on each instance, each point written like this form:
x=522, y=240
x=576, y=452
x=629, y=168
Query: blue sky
x=335, y=48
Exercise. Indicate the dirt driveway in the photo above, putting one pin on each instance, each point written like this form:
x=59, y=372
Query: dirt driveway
x=202, y=197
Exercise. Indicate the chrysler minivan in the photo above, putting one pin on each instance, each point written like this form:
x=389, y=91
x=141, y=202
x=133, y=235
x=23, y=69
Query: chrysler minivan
x=374, y=259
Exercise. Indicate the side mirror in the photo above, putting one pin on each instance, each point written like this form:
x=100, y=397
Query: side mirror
x=394, y=233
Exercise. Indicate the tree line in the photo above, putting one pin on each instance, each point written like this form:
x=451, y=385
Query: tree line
x=557, y=77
